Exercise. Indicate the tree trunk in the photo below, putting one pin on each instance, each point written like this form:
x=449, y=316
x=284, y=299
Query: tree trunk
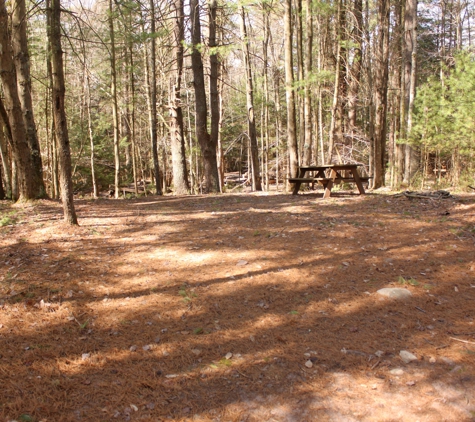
x=153, y=101
x=339, y=92
x=208, y=148
x=91, y=137
x=355, y=71
x=59, y=114
x=289, y=92
x=22, y=64
x=381, y=93
x=214, y=103
x=177, y=139
x=256, y=178
x=27, y=188
x=265, y=46
x=4, y=158
x=115, y=106
x=409, y=64
x=307, y=153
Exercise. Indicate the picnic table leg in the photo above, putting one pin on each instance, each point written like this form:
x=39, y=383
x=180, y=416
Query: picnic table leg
x=328, y=189
x=297, y=184
x=296, y=188
x=358, y=183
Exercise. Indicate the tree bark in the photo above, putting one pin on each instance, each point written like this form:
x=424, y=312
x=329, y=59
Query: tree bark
x=355, y=70
x=4, y=157
x=289, y=92
x=208, y=148
x=153, y=101
x=180, y=177
x=22, y=64
x=340, y=89
x=307, y=153
x=59, y=114
x=27, y=189
x=411, y=163
x=91, y=137
x=255, y=171
x=214, y=103
x=115, y=106
x=381, y=93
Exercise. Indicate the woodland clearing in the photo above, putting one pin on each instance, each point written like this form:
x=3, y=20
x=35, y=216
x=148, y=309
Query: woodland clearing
x=238, y=307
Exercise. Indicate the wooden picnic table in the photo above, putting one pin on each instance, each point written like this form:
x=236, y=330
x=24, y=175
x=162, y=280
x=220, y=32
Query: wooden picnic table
x=329, y=175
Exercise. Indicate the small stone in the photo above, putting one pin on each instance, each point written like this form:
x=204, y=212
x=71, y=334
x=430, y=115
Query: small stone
x=432, y=359
x=146, y=347
x=395, y=293
x=85, y=356
x=447, y=361
x=411, y=383
x=396, y=371
x=241, y=263
x=134, y=407
x=309, y=364
x=229, y=355
x=407, y=357
x=196, y=352
x=379, y=354
x=307, y=355
x=133, y=348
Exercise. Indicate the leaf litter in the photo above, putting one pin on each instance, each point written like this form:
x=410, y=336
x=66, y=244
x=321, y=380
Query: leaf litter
x=65, y=351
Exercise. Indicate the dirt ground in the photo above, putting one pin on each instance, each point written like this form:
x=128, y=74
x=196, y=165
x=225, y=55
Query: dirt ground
x=238, y=307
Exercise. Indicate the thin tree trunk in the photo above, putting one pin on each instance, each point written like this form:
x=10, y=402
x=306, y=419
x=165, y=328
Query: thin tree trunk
x=381, y=93
x=339, y=92
x=307, y=153
x=153, y=101
x=4, y=157
x=177, y=139
x=27, y=188
x=115, y=106
x=265, y=46
x=214, y=104
x=409, y=63
x=355, y=71
x=91, y=137
x=22, y=64
x=300, y=91
x=50, y=133
x=208, y=148
x=289, y=92
x=59, y=114
x=255, y=171
x=133, y=147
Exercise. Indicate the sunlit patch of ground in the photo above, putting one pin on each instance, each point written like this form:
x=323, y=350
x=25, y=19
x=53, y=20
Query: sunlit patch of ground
x=238, y=307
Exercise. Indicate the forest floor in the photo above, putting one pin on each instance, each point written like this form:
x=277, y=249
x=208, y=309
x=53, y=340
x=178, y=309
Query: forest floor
x=238, y=307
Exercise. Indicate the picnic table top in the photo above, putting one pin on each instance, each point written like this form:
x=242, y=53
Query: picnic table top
x=330, y=166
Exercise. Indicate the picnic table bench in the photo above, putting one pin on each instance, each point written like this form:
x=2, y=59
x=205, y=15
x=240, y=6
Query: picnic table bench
x=329, y=175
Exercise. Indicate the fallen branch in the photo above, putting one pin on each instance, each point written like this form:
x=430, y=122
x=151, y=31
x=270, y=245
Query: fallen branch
x=462, y=341
x=440, y=194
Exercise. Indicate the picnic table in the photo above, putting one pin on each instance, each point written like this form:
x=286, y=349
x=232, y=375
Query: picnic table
x=329, y=175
